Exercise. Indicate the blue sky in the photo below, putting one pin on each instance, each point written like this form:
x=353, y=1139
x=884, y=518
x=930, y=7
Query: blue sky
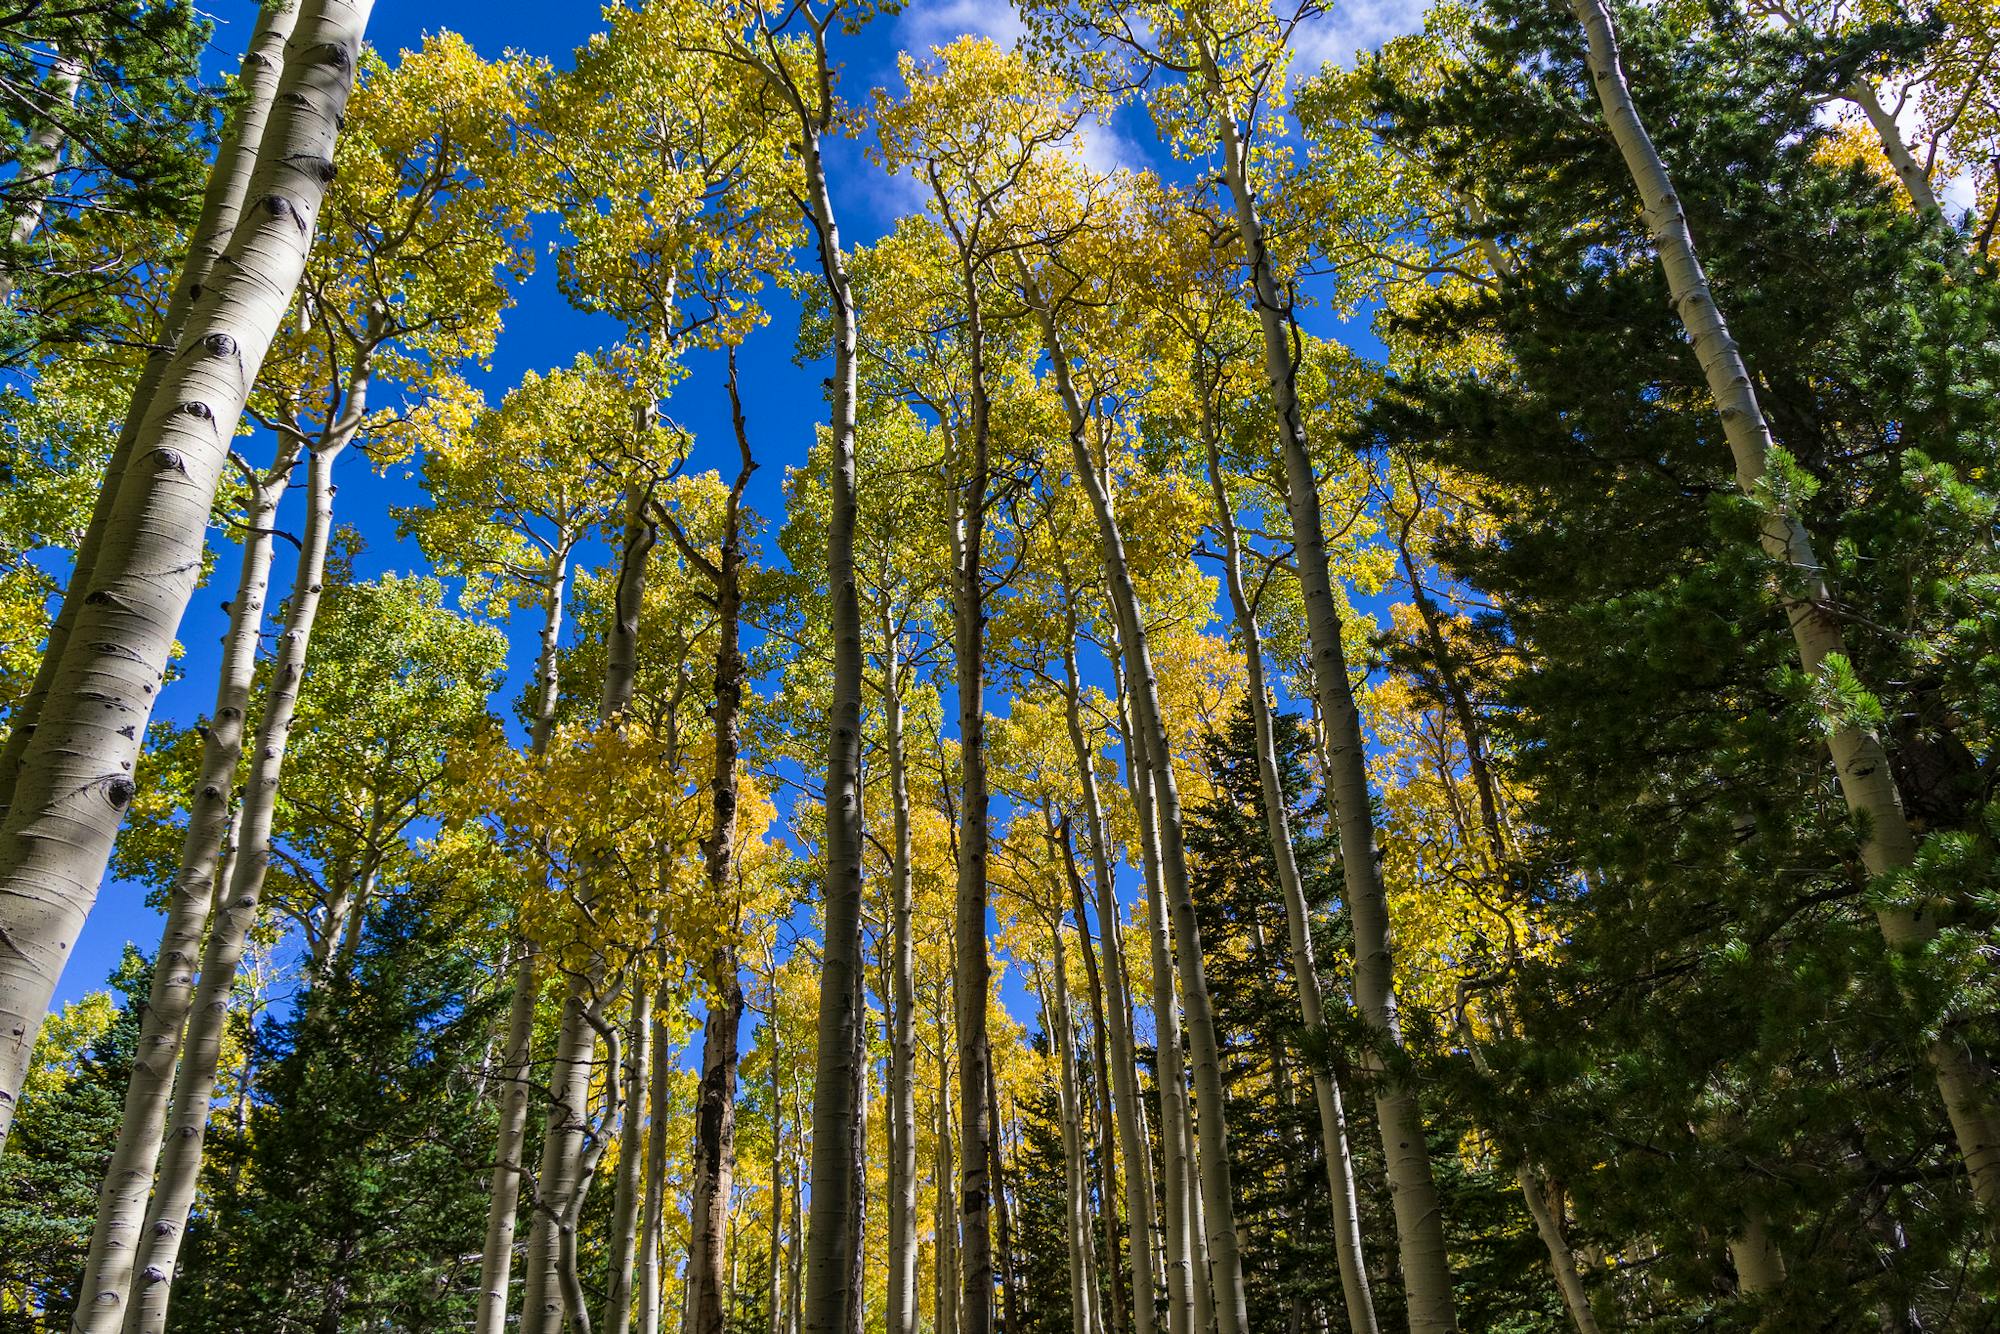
x=783, y=400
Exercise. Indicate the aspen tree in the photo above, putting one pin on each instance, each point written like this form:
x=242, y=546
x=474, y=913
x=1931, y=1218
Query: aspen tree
x=1305, y=969
x=715, y=1114
x=1216, y=1202
x=194, y=1081
x=221, y=208
x=787, y=54
x=54, y=847
x=128, y=1177
x=1867, y=782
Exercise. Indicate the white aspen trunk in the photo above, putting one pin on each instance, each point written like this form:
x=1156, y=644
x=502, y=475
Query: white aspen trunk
x=194, y=1084
x=128, y=1178
x=569, y=1269
x=76, y=773
x=1218, y=1207
x=1175, y=1167
x=1204, y=1267
x=497, y=1257
x=1355, y=1294
x=1916, y=181
x=900, y=1315
x=1561, y=1258
x=631, y=1157
x=41, y=158
x=652, y=1219
x=1760, y=1265
x=1123, y=1063
x=496, y=1261
x=1867, y=783
x=945, y=1218
x=1062, y=1035
x=795, y=1260
x=833, y=1239
x=551, y=1291
x=777, y=1255
x=1406, y=1155
x=221, y=206
x=1102, y=1118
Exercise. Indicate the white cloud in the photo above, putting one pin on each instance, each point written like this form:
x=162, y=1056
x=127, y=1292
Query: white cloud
x=1350, y=27
x=929, y=23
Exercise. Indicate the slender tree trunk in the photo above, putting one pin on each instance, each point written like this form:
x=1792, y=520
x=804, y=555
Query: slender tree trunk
x=128, y=1179
x=194, y=1084
x=945, y=1219
x=1355, y=1294
x=40, y=159
x=516, y=1090
x=972, y=972
x=623, y=1232
x=1231, y=1310
x=1867, y=783
x=1561, y=1258
x=715, y=1152
x=777, y=1256
x=1107, y=1157
x=833, y=1239
x=1076, y=1222
x=1002, y=1221
x=562, y=1181
x=715, y=1113
x=496, y=1262
x=1123, y=1062
x=1171, y=1070
x=75, y=778
x=653, y=1218
x=221, y=207
x=1406, y=1155
x=795, y=1262
x=901, y=1314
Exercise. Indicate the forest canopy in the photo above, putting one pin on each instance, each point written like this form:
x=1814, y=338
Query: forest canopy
x=1067, y=667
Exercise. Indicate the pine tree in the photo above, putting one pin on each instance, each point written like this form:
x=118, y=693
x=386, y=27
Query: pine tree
x=351, y=1201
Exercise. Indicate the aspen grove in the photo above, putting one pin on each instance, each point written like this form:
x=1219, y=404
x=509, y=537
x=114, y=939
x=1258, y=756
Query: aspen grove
x=999, y=666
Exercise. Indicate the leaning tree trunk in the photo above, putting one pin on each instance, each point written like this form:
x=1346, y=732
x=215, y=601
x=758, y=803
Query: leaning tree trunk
x=1218, y=1206
x=128, y=1178
x=1867, y=782
x=39, y=160
x=1359, y=1301
x=1916, y=181
x=76, y=772
x=901, y=1314
x=1003, y=1226
x=194, y=1084
x=1406, y=1154
x=221, y=207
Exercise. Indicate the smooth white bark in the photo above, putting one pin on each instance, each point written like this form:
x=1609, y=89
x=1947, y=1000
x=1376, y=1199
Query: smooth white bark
x=76, y=775
x=1867, y=783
